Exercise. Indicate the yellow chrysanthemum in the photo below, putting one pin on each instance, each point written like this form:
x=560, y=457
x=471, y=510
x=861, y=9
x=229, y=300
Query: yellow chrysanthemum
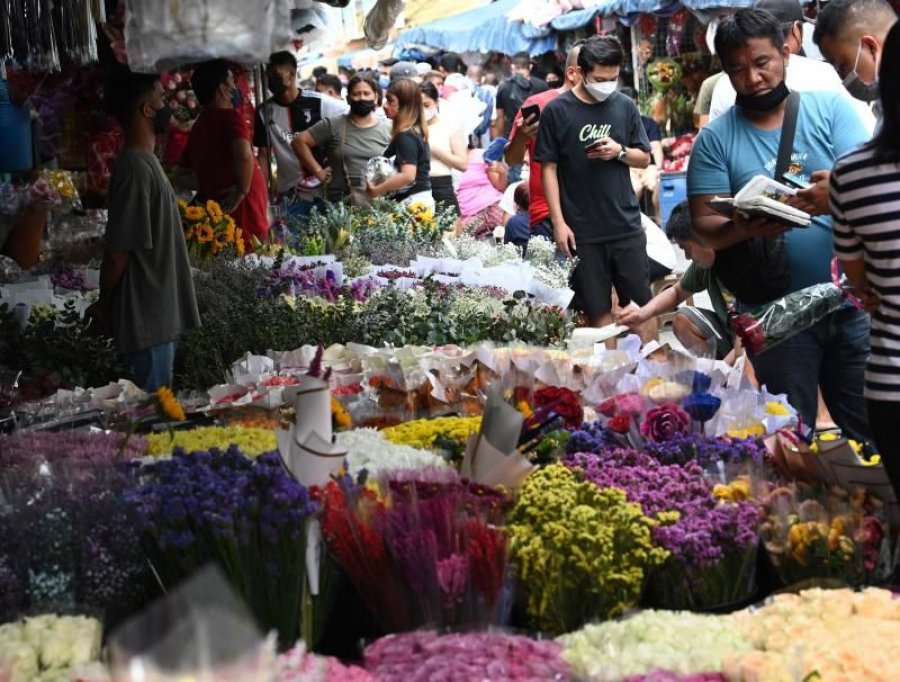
x=214, y=211
x=775, y=408
x=190, y=233
x=205, y=234
x=169, y=405
x=239, y=242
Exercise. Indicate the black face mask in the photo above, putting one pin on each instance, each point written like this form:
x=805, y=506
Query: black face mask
x=277, y=86
x=362, y=107
x=765, y=102
x=161, y=120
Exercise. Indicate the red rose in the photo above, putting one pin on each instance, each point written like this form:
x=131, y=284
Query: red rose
x=621, y=423
x=608, y=407
x=663, y=422
x=564, y=402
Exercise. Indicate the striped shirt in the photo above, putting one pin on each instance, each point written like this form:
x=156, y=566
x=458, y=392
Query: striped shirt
x=865, y=203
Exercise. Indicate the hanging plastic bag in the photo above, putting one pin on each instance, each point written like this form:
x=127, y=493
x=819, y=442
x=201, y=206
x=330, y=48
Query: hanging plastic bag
x=380, y=20
x=160, y=35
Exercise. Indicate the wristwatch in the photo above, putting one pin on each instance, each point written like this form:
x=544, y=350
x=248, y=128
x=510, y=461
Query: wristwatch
x=621, y=155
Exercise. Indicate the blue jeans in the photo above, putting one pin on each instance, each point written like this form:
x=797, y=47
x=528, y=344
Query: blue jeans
x=150, y=368
x=832, y=355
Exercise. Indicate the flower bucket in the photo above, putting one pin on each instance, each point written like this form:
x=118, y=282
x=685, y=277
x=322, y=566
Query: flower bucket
x=24, y=242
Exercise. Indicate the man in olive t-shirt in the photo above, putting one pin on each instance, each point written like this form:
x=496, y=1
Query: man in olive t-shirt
x=146, y=291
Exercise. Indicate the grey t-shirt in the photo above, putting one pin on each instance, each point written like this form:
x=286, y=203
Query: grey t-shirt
x=361, y=144
x=155, y=299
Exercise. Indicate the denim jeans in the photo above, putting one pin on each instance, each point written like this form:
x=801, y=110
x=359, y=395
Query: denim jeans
x=832, y=355
x=150, y=368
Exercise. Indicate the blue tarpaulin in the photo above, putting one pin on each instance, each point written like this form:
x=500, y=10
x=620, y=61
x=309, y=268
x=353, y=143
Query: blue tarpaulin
x=580, y=18
x=483, y=29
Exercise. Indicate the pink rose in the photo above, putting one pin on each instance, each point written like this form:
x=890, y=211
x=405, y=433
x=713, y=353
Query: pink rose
x=663, y=422
x=631, y=402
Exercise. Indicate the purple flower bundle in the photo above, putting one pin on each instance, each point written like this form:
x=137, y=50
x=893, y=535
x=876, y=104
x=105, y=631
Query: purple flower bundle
x=298, y=280
x=26, y=447
x=427, y=656
x=73, y=280
x=248, y=516
x=710, y=543
x=70, y=542
x=707, y=451
x=590, y=437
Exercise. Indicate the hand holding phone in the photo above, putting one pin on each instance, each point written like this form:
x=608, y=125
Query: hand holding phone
x=531, y=114
x=795, y=182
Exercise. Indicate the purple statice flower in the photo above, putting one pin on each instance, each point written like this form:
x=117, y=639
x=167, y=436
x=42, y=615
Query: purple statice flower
x=87, y=447
x=74, y=280
x=707, y=451
x=590, y=437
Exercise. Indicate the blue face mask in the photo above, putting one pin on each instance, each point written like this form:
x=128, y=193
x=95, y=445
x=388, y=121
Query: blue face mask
x=237, y=98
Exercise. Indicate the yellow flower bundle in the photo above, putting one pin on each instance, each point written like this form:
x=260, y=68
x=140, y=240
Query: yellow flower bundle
x=580, y=551
x=209, y=231
x=251, y=441
x=421, y=433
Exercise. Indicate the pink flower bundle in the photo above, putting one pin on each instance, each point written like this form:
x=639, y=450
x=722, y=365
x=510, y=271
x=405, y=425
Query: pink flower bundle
x=429, y=657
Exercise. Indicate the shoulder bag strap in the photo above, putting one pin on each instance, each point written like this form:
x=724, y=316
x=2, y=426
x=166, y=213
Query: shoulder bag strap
x=788, y=128
x=344, y=149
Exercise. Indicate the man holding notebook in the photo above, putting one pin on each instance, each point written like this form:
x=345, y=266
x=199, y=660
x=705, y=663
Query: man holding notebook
x=790, y=138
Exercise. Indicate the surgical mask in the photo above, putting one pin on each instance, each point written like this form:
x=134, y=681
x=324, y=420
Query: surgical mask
x=859, y=89
x=361, y=107
x=237, y=98
x=161, y=119
x=276, y=86
x=765, y=102
x=601, y=91
x=430, y=113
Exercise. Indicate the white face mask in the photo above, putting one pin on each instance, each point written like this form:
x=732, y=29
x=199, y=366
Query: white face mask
x=600, y=91
x=430, y=113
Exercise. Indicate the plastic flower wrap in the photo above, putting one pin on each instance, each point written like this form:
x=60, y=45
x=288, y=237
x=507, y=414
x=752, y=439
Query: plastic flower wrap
x=652, y=640
x=247, y=516
x=778, y=321
x=421, y=547
x=579, y=551
x=378, y=169
x=427, y=656
x=824, y=534
x=368, y=450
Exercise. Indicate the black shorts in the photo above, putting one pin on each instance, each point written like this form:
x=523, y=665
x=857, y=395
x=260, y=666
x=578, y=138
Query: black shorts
x=621, y=264
x=444, y=196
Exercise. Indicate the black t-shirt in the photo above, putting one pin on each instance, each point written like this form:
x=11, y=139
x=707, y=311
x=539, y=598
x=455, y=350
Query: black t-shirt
x=512, y=92
x=283, y=121
x=409, y=148
x=598, y=202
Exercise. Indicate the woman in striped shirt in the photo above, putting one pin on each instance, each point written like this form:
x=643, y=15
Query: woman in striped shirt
x=865, y=202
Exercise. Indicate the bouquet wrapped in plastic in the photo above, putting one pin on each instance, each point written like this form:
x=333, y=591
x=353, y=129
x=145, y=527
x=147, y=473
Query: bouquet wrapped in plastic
x=379, y=169
x=766, y=327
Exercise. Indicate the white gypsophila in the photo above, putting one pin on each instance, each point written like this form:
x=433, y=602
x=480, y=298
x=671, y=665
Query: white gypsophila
x=368, y=449
x=475, y=302
x=503, y=253
x=652, y=640
x=541, y=251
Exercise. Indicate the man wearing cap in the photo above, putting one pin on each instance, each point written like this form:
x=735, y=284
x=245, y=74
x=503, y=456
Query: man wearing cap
x=286, y=113
x=803, y=74
x=404, y=70
x=850, y=35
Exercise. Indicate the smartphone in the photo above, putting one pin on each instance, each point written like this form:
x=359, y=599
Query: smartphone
x=531, y=111
x=595, y=144
x=795, y=182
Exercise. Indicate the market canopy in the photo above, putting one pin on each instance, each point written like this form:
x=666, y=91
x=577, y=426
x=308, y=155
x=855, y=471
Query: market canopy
x=482, y=29
x=579, y=18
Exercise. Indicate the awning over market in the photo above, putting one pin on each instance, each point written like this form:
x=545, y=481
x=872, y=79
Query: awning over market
x=482, y=29
x=579, y=18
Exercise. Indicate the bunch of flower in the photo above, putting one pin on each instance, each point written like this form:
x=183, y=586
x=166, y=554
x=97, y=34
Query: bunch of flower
x=23, y=447
x=427, y=656
x=180, y=96
x=299, y=665
x=210, y=232
x=247, y=516
x=49, y=647
x=425, y=433
x=823, y=534
x=711, y=545
x=387, y=232
x=580, y=551
x=653, y=640
x=368, y=450
x=563, y=402
x=422, y=548
x=251, y=441
x=669, y=676
x=73, y=280
x=707, y=451
x=68, y=540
